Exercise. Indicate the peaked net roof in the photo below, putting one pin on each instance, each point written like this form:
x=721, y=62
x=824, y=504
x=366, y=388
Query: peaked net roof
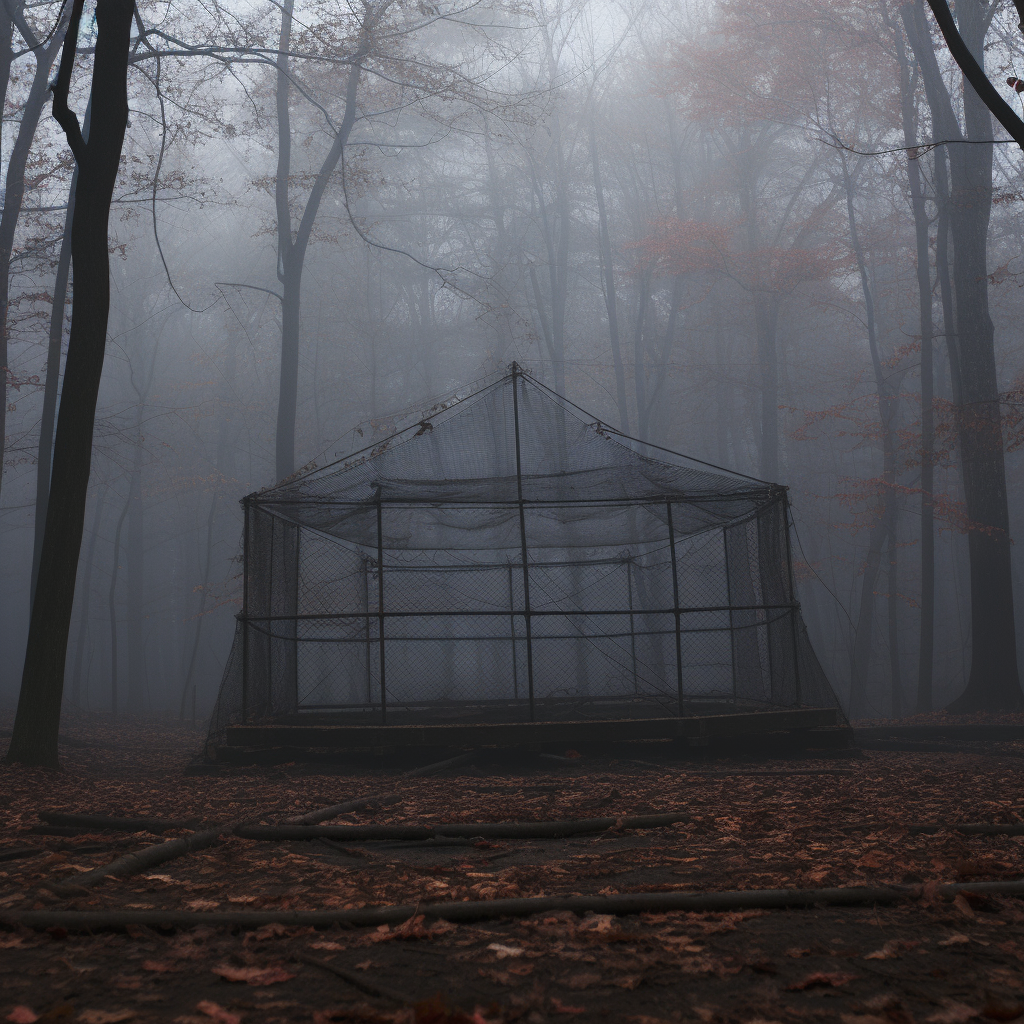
x=465, y=456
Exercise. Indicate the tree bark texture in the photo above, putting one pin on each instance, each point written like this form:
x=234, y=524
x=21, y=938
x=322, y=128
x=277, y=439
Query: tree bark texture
x=994, y=683
x=34, y=740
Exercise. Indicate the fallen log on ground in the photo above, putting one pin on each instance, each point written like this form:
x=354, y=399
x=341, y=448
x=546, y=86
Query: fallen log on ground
x=150, y=857
x=437, y=766
x=20, y=852
x=326, y=813
x=107, y=823
x=471, y=830
x=460, y=911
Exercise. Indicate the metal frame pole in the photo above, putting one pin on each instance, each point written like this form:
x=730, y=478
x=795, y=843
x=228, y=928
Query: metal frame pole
x=795, y=610
x=369, y=643
x=675, y=605
x=512, y=624
x=516, y=372
x=728, y=601
x=380, y=605
x=632, y=625
x=246, y=510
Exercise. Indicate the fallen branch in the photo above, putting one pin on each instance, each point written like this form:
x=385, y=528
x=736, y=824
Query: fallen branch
x=479, y=910
x=472, y=830
x=106, y=823
x=133, y=863
x=326, y=813
x=20, y=852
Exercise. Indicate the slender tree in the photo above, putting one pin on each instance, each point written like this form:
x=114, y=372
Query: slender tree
x=36, y=725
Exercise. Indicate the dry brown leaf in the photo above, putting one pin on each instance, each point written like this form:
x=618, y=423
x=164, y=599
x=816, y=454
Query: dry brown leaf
x=821, y=979
x=22, y=1015
x=952, y=1013
x=253, y=975
x=217, y=1012
x=105, y=1016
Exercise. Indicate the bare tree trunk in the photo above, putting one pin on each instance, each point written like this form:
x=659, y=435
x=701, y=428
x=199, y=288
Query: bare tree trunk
x=892, y=606
x=200, y=614
x=86, y=593
x=36, y=725
x=608, y=276
x=994, y=682
x=136, y=690
x=886, y=526
x=291, y=252
x=112, y=604
x=14, y=193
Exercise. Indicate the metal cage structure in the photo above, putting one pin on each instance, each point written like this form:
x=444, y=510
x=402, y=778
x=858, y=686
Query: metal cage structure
x=509, y=558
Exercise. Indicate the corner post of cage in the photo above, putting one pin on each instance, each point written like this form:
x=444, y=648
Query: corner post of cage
x=632, y=620
x=728, y=601
x=246, y=528
x=675, y=605
x=366, y=623
x=516, y=374
x=794, y=609
x=380, y=603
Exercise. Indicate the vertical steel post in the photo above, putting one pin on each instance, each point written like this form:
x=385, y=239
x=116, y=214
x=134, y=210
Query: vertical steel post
x=792, y=595
x=247, y=515
x=675, y=605
x=380, y=605
x=369, y=645
x=728, y=601
x=512, y=624
x=632, y=625
x=522, y=539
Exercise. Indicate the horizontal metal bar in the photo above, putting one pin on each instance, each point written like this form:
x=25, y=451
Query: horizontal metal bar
x=510, y=505
x=504, y=612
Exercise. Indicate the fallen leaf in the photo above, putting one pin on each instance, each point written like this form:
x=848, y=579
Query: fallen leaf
x=952, y=1013
x=821, y=979
x=217, y=1012
x=10, y=941
x=22, y=1015
x=158, y=878
x=559, y=1007
x=105, y=1016
x=202, y=904
x=274, y=930
x=363, y=965
x=954, y=940
x=961, y=904
x=628, y=981
x=253, y=975
x=504, y=951
x=160, y=966
x=326, y=945
x=598, y=923
x=891, y=950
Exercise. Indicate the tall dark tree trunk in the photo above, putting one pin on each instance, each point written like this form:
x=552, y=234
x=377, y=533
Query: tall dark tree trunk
x=136, y=690
x=994, y=682
x=115, y=688
x=918, y=207
x=291, y=251
x=85, y=593
x=885, y=527
x=51, y=384
x=14, y=198
x=36, y=725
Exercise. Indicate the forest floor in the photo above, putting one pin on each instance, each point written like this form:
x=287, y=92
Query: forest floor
x=753, y=825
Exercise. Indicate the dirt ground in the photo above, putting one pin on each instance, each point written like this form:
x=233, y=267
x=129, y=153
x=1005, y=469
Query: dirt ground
x=752, y=825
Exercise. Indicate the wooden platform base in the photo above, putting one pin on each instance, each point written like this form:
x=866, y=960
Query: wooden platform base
x=695, y=730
